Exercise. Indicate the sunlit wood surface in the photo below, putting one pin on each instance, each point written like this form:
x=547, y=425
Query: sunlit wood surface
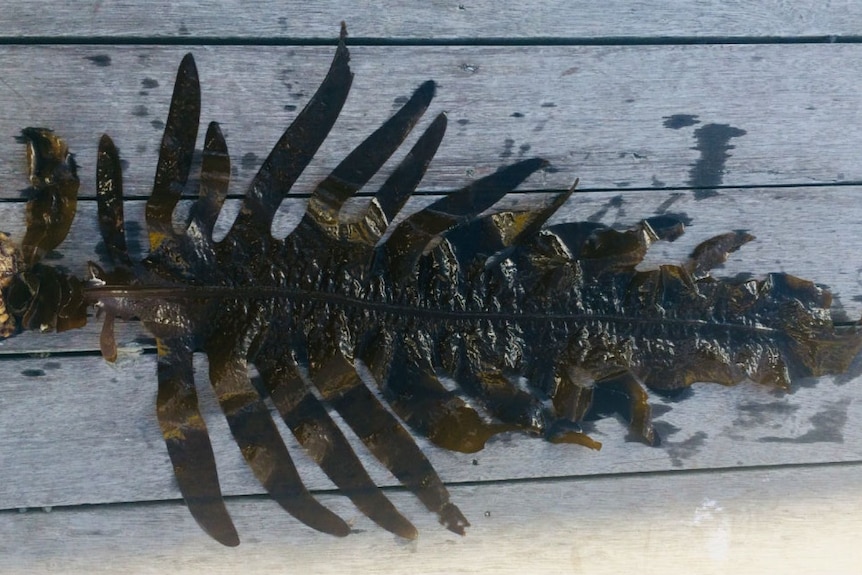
x=735, y=115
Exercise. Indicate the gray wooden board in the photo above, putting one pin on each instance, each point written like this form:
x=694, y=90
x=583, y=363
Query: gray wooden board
x=68, y=441
x=797, y=520
x=616, y=117
x=809, y=232
x=77, y=430
x=439, y=19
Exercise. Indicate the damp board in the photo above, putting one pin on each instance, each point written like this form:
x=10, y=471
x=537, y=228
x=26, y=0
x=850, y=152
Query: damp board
x=733, y=115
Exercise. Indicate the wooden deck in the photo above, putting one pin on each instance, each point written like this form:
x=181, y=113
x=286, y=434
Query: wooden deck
x=737, y=115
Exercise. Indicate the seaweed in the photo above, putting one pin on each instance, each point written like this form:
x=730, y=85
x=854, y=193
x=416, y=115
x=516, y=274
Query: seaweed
x=540, y=327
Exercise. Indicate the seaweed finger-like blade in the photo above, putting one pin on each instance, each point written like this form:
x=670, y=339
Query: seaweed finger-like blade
x=188, y=442
x=109, y=196
x=175, y=155
x=215, y=178
x=261, y=444
x=410, y=237
x=366, y=159
x=340, y=385
x=296, y=147
x=315, y=430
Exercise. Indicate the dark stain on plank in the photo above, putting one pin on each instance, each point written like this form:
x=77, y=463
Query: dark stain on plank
x=678, y=121
x=713, y=143
x=757, y=414
x=249, y=161
x=827, y=426
x=508, y=146
x=101, y=60
x=659, y=409
x=679, y=451
x=665, y=205
x=674, y=395
x=615, y=203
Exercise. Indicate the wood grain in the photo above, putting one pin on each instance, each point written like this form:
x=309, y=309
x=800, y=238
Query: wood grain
x=797, y=520
x=619, y=94
x=637, y=117
x=80, y=431
x=464, y=20
x=65, y=417
x=814, y=221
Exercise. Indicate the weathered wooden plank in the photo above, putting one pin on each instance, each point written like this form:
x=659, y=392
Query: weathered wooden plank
x=799, y=520
x=795, y=227
x=617, y=117
x=77, y=430
x=69, y=438
x=458, y=20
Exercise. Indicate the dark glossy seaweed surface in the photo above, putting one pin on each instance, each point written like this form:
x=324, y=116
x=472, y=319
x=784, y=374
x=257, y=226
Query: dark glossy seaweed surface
x=541, y=328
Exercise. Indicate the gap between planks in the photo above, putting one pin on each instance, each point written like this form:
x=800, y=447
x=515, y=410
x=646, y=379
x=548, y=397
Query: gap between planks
x=787, y=520
x=464, y=21
x=615, y=117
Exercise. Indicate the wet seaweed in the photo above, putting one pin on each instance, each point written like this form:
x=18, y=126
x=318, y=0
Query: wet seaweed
x=542, y=328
